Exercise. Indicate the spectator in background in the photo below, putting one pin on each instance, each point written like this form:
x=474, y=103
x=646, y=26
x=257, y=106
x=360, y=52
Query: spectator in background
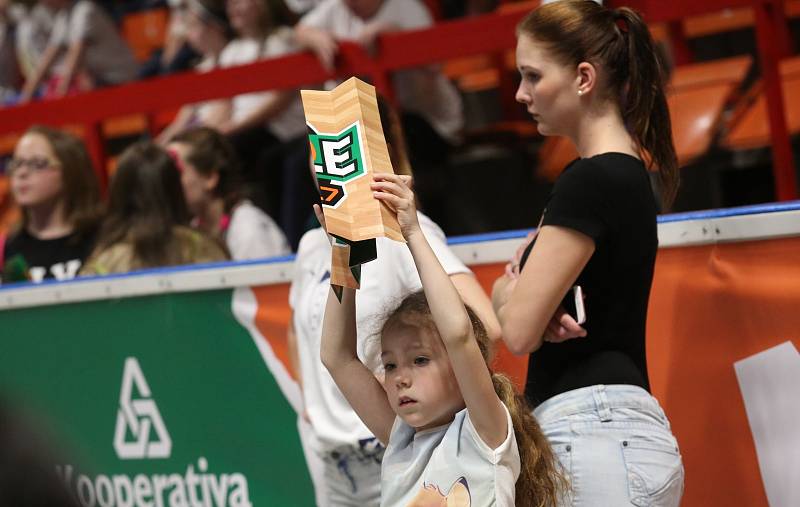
x=208, y=32
x=10, y=76
x=267, y=116
x=262, y=126
x=177, y=54
x=147, y=223
x=431, y=109
x=95, y=54
x=211, y=179
x=54, y=184
x=33, y=32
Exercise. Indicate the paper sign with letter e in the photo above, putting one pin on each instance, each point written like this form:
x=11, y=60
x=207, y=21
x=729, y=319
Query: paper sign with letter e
x=348, y=146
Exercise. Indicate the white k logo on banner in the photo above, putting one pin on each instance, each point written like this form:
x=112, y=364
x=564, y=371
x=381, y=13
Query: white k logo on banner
x=139, y=416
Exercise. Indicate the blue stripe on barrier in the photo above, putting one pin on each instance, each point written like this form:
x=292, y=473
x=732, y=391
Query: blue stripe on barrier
x=455, y=240
x=488, y=236
x=153, y=271
x=757, y=209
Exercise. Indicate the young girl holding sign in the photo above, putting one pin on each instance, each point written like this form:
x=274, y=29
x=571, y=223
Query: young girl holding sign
x=453, y=429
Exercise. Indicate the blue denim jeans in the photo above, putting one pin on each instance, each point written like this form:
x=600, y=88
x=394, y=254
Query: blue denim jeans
x=616, y=446
x=353, y=474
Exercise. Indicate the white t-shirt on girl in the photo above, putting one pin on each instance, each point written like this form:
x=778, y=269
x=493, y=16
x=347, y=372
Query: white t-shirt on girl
x=289, y=123
x=450, y=462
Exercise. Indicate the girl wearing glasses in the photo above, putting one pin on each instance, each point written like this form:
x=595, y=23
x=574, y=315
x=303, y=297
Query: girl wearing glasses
x=54, y=184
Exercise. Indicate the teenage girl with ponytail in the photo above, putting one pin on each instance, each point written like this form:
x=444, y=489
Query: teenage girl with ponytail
x=456, y=433
x=592, y=74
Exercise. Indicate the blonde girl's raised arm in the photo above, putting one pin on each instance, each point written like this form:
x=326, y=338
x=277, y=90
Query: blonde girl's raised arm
x=338, y=353
x=449, y=314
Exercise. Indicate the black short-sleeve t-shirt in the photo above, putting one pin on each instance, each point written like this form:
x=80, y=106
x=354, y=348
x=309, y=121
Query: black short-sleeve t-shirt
x=608, y=197
x=27, y=258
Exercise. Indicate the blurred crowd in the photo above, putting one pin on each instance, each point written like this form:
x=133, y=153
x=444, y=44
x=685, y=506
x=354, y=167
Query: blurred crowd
x=227, y=178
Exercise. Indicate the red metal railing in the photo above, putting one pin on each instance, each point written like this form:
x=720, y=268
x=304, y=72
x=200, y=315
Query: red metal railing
x=491, y=33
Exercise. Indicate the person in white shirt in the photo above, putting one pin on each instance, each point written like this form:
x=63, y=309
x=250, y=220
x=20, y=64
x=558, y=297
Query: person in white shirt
x=344, y=456
x=207, y=31
x=265, y=127
x=10, y=76
x=33, y=32
x=456, y=433
x=95, y=54
x=260, y=34
x=211, y=183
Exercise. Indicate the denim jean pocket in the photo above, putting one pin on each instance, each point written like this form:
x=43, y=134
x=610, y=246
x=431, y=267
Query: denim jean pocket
x=655, y=473
x=563, y=453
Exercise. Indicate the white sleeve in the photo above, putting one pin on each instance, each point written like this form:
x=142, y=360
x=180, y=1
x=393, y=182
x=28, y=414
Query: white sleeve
x=58, y=34
x=254, y=235
x=322, y=15
x=280, y=43
x=230, y=54
x=497, y=454
x=81, y=20
x=405, y=14
x=433, y=233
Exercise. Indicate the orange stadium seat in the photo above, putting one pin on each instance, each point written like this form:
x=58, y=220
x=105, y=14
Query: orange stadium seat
x=750, y=128
x=145, y=31
x=472, y=73
x=7, y=143
x=730, y=19
x=124, y=126
x=9, y=212
x=698, y=95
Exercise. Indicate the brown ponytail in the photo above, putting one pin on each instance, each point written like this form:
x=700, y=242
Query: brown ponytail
x=618, y=43
x=541, y=479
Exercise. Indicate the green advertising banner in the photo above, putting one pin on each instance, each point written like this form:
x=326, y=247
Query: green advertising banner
x=163, y=400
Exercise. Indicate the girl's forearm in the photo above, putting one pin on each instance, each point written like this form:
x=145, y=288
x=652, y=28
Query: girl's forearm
x=339, y=330
x=447, y=307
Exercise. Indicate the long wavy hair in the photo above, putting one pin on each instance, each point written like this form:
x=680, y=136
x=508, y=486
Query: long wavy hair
x=619, y=44
x=145, y=203
x=541, y=479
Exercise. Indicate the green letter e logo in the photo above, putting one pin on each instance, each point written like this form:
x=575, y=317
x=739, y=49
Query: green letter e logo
x=337, y=157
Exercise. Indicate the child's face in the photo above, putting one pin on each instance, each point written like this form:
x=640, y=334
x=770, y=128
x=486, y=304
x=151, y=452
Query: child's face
x=36, y=177
x=419, y=381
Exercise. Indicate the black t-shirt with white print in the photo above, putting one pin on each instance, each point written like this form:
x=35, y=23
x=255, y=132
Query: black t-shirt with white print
x=608, y=197
x=27, y=258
